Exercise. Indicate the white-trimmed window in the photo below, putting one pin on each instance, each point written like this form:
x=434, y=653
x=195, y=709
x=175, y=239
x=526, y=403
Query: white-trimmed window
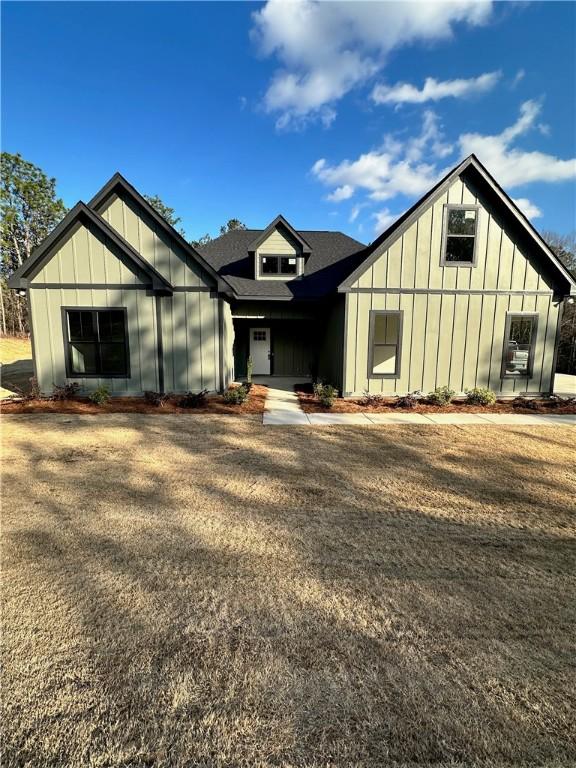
x=460, y=229
x=385, y=340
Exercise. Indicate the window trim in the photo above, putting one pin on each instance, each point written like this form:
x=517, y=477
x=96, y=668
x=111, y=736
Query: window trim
x=372, y=327
x=509, y=317
x=68, y=344
x=261, y=275
x=456, y=207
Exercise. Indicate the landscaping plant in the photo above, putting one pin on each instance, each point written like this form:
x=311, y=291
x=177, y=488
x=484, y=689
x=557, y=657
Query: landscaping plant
x=159, y=399
x=410, y=400
x=235, y=395
x=372, y=400
x=100, y=395
x=65, y=391
x=480, y=396
x=441, y=396
x=249, y=369
x=326, y=395
x=193, y=399
x=526, y=402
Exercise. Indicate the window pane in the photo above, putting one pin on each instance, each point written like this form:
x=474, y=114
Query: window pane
x=288, y=264
x=518, y=347
x=113, y=357
x=461, y=222
x=386, y=329
x=111, y=325
x=460, y=249
x=269, y=265
x=521, y=329
x=384, y=358
x=81, y=326
x=84, y=357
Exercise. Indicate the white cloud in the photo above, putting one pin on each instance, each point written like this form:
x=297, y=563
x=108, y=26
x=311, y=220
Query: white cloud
x=328, y=48
x=383, y=220
x=518, y=77
x=434, y=90
x=341, y=193
x=528, y=208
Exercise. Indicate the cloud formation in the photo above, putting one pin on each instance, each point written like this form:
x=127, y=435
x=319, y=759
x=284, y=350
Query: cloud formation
x=528, y=208
x=434, y=90
x=326, y=49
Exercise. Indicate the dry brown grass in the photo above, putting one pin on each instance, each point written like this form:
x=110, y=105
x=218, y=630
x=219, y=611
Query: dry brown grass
x=208, y=592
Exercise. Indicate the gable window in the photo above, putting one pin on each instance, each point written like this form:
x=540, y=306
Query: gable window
x=385, y=340
x=519, y=343
x=460, y=225
x=97, y=342
x=278, y=265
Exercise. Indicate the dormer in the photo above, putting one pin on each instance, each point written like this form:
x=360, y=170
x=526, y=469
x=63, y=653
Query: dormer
x=279, y=252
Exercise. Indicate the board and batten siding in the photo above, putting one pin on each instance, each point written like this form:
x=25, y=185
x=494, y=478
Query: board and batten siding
x=454, y=317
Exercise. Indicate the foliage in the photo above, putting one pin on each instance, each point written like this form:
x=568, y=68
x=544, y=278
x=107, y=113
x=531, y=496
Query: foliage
x=529, y=403
x=325, y=393
x=193, y=399
x=564, y=246
x=249, y=369
x=480, y=396
x=158, y=399
x=100, y=395
x=230, y=226
x=410, y=400
x=235, y=395
x=372, y=400
x=441, y=396
x=65, y=391
x=317, y=387
x=29, y=210
x=31, y=393
x=167, y=213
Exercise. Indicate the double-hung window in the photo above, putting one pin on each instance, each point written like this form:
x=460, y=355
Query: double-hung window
x=278, y=265
x=460, y=226
x=519, y=343
x=97, y=342
x=385, y=341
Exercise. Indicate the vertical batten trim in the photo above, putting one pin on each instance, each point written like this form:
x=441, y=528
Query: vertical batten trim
x=160, y=344
x=221, y=343
x=544, y=344
x=559, y=317
x=345, y=351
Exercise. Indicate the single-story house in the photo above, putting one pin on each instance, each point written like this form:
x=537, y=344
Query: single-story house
x=460, y=290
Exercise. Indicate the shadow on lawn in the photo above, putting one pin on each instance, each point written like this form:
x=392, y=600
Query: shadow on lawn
x=245, y=596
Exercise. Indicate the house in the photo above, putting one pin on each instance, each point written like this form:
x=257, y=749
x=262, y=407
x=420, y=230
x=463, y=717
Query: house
x=460, y=290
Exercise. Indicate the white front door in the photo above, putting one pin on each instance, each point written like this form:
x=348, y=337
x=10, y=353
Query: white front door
x=260, y=350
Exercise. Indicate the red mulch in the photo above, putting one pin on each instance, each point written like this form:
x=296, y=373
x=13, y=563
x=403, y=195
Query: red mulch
x=311, y=405
x=80, y=405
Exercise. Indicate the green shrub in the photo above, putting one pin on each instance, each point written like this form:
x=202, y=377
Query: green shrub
x=159, y=399
x=410, y=400
x=326, y=395
x=193, y=399
x=480, y=396
x=317, y=387
x=441, y=396
x=100, y=395
x=65, y=391
x=235, y=396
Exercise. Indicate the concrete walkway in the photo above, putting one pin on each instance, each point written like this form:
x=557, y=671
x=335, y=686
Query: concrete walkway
x=283, y=409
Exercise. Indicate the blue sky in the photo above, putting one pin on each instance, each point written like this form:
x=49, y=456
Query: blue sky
x=336, y=115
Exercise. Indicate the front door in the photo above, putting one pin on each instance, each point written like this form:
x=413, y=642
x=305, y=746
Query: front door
x=260, y=350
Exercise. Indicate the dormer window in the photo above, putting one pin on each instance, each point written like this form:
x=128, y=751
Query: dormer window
x=278, y=265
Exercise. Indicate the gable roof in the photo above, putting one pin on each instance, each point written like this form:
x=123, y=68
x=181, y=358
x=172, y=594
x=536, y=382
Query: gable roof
x=80, y=213
x=470, y=164
x=332, y=255
x=282, y=223
x=118, y=182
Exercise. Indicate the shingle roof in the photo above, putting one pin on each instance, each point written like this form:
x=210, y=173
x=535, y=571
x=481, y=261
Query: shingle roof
x=333, y=256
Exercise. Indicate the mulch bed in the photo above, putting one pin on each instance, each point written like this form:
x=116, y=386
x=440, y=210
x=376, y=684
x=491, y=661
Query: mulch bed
x=81, y=405
x=311, y=405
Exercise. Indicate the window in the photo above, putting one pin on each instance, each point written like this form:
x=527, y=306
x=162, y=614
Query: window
x=278, y=265
x=97, y=343
x=385, y=336
x=519, y=342
x=459, y=235
x=259, y=335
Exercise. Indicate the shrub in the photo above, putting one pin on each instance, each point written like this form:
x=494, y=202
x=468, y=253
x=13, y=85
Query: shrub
x=235, y=396
x=441, y=396
x=526, y=402
x=158, y=399
x=317, y=387
x=65, y=391
x=480, y=396
x=32, y=393
x=326, y=395
x=249, y=369
x=193, y=399
x=370, y=400
x=410, y=400
x=100, y=395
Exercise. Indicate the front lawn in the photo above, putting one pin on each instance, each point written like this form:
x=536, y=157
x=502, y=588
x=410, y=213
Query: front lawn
x=210, y=592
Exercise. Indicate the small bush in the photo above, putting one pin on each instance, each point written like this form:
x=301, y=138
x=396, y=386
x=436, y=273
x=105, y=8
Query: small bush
x=100, y=395
x=480, y=396
x=65, y=391
x=410, y=400
x=441, y=396
x=526, y=402
x=247, y=385
x=326, y=395
x=370, y=400
x=193, y=399
x=159, y=399
x=317, y=387
x=235, y=396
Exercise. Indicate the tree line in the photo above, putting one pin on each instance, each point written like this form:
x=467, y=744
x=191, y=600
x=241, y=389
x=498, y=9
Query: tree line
x=30, y=209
